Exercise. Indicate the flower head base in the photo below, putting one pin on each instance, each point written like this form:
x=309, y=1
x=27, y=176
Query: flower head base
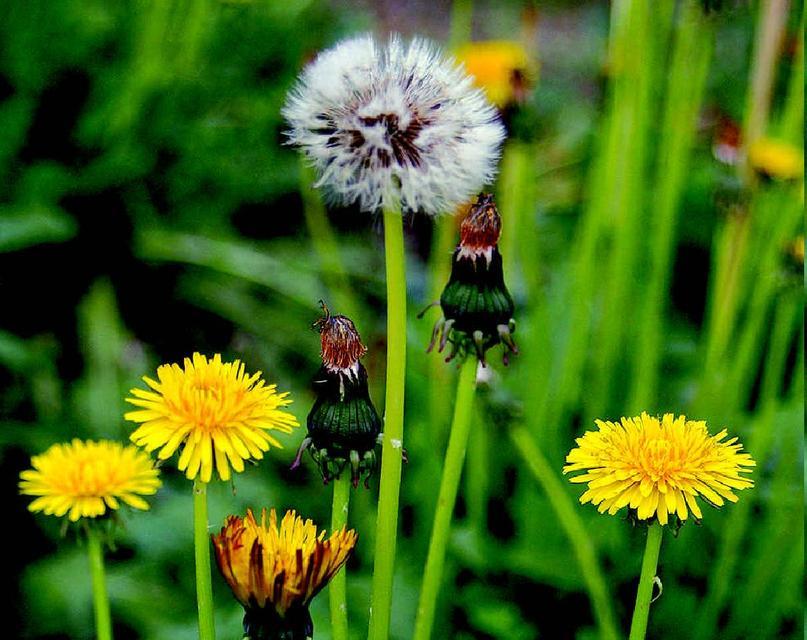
x=477, y=307
x=86, y=479
x=502, y=68
x=776, y=159
x=343, y=425
x=217, y=412
x=658, y=468
x=275, y=572
x=394, y=125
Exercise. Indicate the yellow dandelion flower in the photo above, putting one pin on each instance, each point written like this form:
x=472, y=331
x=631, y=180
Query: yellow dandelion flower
x=84, y=478
x=221, y=414
x=776, y=159
x=501, y=68
x=796, y=250
x=658, y=467
x=275, y=572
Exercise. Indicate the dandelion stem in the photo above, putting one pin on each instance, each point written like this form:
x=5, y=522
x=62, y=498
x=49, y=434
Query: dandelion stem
x=338, y=586
x=100, y=598
x=387, y=523
x=638, y=625
x=574, y=528
x=452, y=469
x=201, y=542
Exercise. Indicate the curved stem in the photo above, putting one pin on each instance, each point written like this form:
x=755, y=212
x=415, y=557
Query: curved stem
x=390, y=483
x=575, y=530
x=452, y=469
x=638, y=625
x=201, y=547
x=338, y=586
x=100, y=598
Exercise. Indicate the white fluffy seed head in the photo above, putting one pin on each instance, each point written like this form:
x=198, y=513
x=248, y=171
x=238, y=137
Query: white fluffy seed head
x=393, y=124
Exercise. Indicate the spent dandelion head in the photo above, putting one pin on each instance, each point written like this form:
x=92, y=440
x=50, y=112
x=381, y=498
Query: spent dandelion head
x=219, y=414
x=477, y=307
x=343, y=425
x=394, y=125
x=658, y=468
x=276, y=571
x=88, y=479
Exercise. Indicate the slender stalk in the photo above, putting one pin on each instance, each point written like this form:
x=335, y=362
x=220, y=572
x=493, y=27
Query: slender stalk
x=452, y=470
x=100, y=598
x=461, y=22
x=574, y=529
x=338, y=586
x=387, y=523
x=638, y=625
x=201, y=547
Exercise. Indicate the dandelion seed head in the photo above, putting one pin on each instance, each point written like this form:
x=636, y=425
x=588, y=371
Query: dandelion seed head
x=391, y=124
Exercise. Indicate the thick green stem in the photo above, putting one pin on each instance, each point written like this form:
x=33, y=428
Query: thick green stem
x=638, y=625
x=201, y=547
x=452, y=470
x=338, y=586
x=387, y=523
x=100, y=598
x=569, y=519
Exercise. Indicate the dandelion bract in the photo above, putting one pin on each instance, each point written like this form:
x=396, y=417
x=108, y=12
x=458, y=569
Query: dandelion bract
x=219, y=413
x=87, y=479
x=658, y=467
x=394, y=124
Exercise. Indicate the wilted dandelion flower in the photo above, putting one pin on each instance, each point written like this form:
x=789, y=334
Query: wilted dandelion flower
x=275, y=572
x=85, y=479
x=216, y=411
x=658, y=467
x=394, y=124
x=502, y=68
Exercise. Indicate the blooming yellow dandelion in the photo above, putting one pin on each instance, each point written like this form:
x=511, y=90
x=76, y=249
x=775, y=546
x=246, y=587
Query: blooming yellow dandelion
x=275, y=572
x=502, y=68
x=658, y=467
x=776, y=159
x=85, y=479
x=219, y=413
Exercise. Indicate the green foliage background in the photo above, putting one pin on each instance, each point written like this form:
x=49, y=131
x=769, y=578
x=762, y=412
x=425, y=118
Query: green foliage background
x=148, y=210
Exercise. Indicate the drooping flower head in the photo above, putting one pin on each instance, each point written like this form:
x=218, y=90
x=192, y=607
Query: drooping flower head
x=394, y=124
x=658, y=468
x=219, y=414
x=343, y=424
x=477, y=307
x=275, y=572
x=502, y=68
x=87, y=479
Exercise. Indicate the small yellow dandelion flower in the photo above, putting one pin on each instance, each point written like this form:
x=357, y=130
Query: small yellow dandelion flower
x=796, y=250
x=220, y=414
x=658, y=467
x=776, y=159
x=275, y=572
x=502, y=68
x=84, y=479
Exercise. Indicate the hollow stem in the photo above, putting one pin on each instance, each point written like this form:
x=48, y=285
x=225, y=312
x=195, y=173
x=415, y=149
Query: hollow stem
x=389, y=485
x=201, y=546
x=100, y=597
x=338, y=586
x=638, y=625
x=452, y=469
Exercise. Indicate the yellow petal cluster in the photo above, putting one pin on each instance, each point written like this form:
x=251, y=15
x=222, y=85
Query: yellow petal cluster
x=217, y=412
x=658, y=467
x=501, y=68
x=84, y=478
x=776, y=159
x=266, y=565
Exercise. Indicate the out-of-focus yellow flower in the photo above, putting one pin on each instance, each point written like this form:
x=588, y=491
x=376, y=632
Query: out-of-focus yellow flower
x=275, y=572
x=501, y=67
x=658, y=467
x=220, y=414
x=796, y=250
x=776, y=159
x=84, y=478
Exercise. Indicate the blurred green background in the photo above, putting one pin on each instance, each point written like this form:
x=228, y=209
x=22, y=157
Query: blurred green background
x=148, y=209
